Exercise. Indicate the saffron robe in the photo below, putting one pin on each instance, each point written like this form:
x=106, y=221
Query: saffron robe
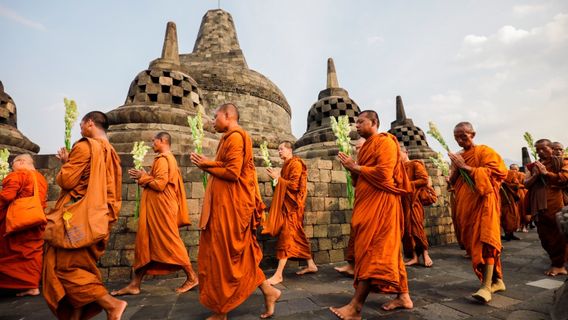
x=286, y=215
x=229, y=254
x=71, y=278
x=478, y=208
x=377, y=222
x=510, y=215
x=158, y=242
x=21, y=252
x=414, y=238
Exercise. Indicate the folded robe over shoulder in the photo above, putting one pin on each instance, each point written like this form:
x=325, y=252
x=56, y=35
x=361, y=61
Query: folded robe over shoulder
x=229, y=254
x=377, y=221
x=21, y=252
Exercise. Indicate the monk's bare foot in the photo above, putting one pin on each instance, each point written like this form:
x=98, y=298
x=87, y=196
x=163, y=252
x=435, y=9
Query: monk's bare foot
x=401, y=301
x=29, y=292
x=428, y=261
x=128, y=290
x=274, y=280
x=116, y=312
x=346, y=270
x=271, y=295
x=218, y=316
x=554, y=271
x=467, y=256
x=347, y=312
x=411, y=262
x=187, y=285
x=307, y=270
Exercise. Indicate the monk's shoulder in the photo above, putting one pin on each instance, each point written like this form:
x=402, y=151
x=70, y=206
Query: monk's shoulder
x=15, y=177
x=81, y=148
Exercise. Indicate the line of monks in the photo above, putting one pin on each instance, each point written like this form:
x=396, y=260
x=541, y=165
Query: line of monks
x=387, y=219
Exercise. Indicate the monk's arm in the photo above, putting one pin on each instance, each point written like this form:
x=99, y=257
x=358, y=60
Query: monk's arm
x=293, y=179
x=159, y=178
x=421, y=176
x=230, y=167
x=71, y=172
x=530, y=179
x=561, y=177
x=10, y=187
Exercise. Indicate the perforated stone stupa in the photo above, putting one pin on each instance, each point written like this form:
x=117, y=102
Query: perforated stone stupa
x=218, y=65
x=334, y=101
x=410, y=135
x=10, y=137
x=159, y=99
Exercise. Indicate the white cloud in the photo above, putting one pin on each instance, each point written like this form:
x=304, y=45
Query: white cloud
x=373, y=40
x=526, y=9
x=509, y=34
x=474, y=40
x=14, y=16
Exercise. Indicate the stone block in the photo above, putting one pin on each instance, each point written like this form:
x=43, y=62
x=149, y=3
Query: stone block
x=131, y=193
x=331, y=204
x=119, y=273
x=325, y=164
x=324, y=175
x=318, y=204
x=334, y=230
x=125, y=241
x=321, y=189
x=197, y=190
x=132, y=224
x=190, y=238
x=320, y=231
x=309, y=230
x=268, y=191
x=193, y=206
x=338, y=176
x=313, y=175
x=111, y=258
x=336, y=255
x=323, y=217
x=324, y=244
x=344, y=204
x=337, y=217
x=310, y=218
x=345, y=229
x=127, y=257
x=337, y=190
x=311, y=188
x=321, y=257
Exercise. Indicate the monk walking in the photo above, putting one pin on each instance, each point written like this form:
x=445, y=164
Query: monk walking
x=477, y=207
x=21, y=252
x=414, y=240
x=510, y=214
x=377, y=222
x=286, y=216
x=159, y=249
x=229, y=254
x=545, y=180
x=72, y=283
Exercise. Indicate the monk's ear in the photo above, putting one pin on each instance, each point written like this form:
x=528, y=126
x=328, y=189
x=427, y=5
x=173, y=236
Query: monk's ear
x=472, y=134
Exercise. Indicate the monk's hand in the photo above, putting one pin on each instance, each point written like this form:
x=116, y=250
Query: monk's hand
x=273, y=173
x=348, y=163
x=63, y=155
x=197, y=159
x=136, y=174
x=541, y=168
x=458, y=161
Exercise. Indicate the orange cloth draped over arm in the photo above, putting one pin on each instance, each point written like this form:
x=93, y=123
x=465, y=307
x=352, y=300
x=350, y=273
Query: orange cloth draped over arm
x=414, y=238
x=229, y=254
x=377, y=221
x=158, y=242
x=286, y=217
x=478, y=209
x=21, y=252
x=71, y=278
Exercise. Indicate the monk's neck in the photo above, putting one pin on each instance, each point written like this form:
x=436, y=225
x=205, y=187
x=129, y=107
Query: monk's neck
x=471, y=147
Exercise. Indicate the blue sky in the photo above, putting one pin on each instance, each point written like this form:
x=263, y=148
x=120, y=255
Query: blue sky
x=499, y=64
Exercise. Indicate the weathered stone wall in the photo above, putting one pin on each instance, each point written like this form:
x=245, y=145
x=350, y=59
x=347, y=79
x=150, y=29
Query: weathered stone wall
x=327, y=216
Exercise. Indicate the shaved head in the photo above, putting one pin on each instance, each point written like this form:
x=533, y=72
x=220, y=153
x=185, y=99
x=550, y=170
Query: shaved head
x=99, y=119
x=514, y=167
x=164, y=136
x=231, y=110
x=467, y=126
x=23, y=161
x=287, y=144
x=544, y=142
x=371, y=115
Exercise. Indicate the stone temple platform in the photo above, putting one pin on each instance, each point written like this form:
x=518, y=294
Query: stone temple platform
x=441, y=292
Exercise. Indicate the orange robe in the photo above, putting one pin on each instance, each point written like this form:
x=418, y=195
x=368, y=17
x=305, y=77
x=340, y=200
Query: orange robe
x=158, y=243
x=229, y=254
x=286, y=216
x=546, y=207
x=21, y=252
x=510, y=215
x=414, y=238
x=524, y=216
x=478, y=209
x=377, y=221
x=71, y=278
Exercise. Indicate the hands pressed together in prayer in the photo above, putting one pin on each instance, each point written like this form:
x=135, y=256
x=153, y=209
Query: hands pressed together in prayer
x=198, y=159
x=136, y=174
x=348, y=163
x=273, y=173
x=539, y=168
x=458, y=162
x=62, y=155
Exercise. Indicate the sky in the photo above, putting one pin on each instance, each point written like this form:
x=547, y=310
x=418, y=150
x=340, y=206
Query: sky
x=502, y=65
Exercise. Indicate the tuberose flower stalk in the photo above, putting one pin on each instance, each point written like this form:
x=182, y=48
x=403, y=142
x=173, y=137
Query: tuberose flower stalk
x=196, y=126
x=341, y=129
x=4, y=165
x=71, y=115
x=138, y=153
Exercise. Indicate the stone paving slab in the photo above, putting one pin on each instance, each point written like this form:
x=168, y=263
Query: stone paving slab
x=439, y=293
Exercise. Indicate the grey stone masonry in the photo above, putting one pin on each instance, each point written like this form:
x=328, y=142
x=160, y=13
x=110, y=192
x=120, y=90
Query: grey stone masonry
x=10, y=137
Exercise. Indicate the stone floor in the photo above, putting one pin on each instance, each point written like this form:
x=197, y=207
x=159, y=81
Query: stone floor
x=440, y=292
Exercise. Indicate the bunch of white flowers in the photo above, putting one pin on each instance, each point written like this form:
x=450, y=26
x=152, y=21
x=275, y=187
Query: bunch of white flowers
x=71, y=115
x=138, y=153
x=4, y=165
x=196, y=126
x=341, y=129
x=266, y=159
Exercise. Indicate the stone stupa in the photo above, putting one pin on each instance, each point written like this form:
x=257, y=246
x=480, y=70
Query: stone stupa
x=333, y=101
x=10, y=137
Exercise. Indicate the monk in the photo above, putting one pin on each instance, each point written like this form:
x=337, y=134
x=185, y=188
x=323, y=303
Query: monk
x=524, y=218
x=414, y=241
x=348, y=270
x=72, y=283
x=21, y=252
x=159, y=249
x=377, y=221
x=286, y=216
x=477, y=207
x=510, y=214
x=545, y=181
x=229, y=254
x=559, y=151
